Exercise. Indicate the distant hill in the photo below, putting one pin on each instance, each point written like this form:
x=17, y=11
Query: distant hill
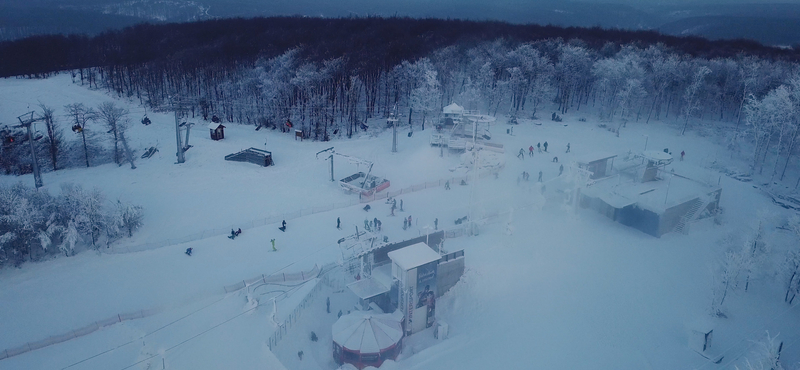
x=18, y=22
x=768, y=31
x=771, y=24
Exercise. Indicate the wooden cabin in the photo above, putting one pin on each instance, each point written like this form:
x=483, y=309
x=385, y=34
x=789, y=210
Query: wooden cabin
x=217, y=131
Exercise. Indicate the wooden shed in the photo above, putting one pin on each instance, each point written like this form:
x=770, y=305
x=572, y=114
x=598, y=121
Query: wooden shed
x=217, y=131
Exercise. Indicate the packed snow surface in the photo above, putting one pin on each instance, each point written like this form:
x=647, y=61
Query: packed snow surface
x=550, y=288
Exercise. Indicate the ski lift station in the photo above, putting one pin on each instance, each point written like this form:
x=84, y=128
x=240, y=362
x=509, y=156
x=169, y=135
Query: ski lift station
x=645, y=193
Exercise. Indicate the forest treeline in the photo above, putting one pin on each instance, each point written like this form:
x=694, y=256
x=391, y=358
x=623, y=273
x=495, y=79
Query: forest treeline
x=329, y=76
x=370, y=43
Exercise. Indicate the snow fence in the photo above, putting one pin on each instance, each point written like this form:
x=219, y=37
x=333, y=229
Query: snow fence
x=301, y=276
x=283, y=328
x=275, y=279
x=88, y=329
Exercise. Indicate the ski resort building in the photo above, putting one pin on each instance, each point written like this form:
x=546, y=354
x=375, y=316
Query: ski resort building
x=643, y=192
x=405, y=279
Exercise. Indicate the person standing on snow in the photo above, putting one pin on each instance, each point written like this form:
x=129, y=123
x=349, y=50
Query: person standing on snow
x=560, y=170
x=540, y=176
x=545, y=146
x=683, y=153
x=436, y=224
x=567, y=147
x=273, y=245
x=401, y=205
x=338, y=223
x=530, y=151
x=539, y=147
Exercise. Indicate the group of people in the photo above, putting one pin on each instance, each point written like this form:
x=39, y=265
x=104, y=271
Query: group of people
x=375, y=224
x=539, y=147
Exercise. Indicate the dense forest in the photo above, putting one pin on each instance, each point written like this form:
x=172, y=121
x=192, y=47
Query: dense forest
x=329, y=76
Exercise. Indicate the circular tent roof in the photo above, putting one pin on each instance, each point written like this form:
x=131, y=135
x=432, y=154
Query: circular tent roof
x=366, y=332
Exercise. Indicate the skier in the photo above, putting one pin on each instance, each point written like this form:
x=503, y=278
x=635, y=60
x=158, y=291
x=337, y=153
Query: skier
x=239, y=231
x=188, y=251
x=436, y=224
x=539, y=147
x=328, y=303
x=560, y=170
x=405, y=223
x=283, y=226
x=540, y=176
x=447, y=185
x=409, y=220
x=375, y=223
x=401, y=205
x=233, y=234
x=683, y=153
x=273, y=245
x=366, y=224
x=338, y=223
x=545, y=146
x=567, y=147
x=393, y=207
x=380, y=224
x=530, y=151
x=521, y=154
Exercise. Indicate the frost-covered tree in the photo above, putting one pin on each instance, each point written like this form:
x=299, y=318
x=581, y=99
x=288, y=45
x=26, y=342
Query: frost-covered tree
x=790, y=267
x=84, y=209
x=767, y=118
x=426, y=97
x=767, y=355
x=692, y=95
x=728, y=278
x=128, y=217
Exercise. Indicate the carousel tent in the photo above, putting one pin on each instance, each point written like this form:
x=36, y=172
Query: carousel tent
x=453, y=109
x=364, y=338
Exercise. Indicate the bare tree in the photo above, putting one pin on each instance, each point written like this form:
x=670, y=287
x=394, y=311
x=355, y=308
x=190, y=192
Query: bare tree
x=80, y=115
x=112, y=116
x=54, y=136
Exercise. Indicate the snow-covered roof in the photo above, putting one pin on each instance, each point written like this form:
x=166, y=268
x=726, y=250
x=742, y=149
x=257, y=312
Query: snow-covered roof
x=453, y=108
x=367, y=332
x=656, y=155
x=213, y=126
x=594, y=157
x=414, y=255
x=367, y=288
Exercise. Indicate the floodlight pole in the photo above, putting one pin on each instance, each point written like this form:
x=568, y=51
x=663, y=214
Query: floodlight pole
x=37, y=175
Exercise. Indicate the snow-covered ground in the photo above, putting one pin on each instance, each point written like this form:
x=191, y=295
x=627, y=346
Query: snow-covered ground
x=563, y=291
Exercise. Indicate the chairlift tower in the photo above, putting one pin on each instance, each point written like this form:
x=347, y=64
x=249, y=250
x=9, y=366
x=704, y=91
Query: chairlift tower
x=27, y=123
x=180, y=107
x=350, y=158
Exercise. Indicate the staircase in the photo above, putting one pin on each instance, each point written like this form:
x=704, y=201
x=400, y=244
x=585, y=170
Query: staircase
x=698, y=205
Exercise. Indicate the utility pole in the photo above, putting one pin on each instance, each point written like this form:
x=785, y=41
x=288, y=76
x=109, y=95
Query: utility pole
x=27, y=123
